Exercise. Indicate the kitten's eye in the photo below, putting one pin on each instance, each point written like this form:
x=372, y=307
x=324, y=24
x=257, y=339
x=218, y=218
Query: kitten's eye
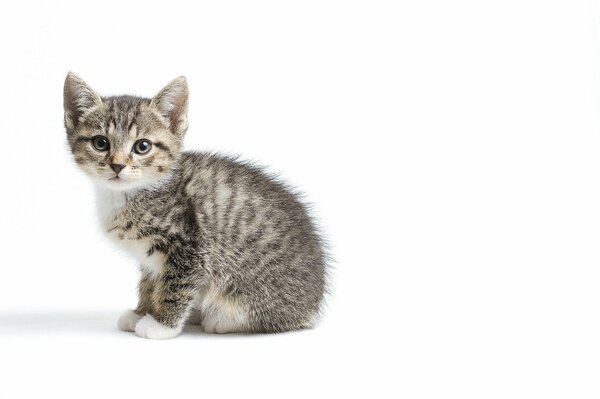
x=142, y=146
x=100, y=143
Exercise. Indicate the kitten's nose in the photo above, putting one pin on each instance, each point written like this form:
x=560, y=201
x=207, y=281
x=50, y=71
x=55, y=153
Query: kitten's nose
x=117, y=167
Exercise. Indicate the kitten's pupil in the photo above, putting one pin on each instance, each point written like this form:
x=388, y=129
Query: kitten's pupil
x=100, y=143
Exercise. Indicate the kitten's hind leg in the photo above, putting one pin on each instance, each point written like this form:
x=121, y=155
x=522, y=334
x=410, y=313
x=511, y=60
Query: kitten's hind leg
x=221, y=324
x=195, y=317
x=223, y=315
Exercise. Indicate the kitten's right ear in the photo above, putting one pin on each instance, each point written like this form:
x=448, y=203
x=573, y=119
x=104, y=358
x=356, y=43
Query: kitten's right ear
x=172, y=103
x=78, y=98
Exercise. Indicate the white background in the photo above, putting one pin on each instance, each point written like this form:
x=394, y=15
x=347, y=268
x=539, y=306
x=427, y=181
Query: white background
x=451, y=149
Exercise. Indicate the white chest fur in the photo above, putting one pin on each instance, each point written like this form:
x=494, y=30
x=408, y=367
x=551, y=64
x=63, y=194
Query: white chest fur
x=110, y=206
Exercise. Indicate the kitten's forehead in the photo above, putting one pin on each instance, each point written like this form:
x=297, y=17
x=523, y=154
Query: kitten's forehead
x=122, y=111
x=120, y=117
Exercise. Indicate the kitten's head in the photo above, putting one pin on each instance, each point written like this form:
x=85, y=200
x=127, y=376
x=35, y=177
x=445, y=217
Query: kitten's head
x=125, y=142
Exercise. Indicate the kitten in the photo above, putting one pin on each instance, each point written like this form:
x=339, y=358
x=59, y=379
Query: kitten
x=218, y=241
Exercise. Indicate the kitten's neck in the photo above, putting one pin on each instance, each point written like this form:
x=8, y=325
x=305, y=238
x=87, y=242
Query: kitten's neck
x=109, y=202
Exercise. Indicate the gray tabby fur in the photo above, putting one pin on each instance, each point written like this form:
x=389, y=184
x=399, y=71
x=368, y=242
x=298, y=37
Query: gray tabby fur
x=219, y=242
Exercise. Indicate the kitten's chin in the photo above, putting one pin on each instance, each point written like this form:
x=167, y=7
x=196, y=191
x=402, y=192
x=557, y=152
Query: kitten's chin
x=121, y=185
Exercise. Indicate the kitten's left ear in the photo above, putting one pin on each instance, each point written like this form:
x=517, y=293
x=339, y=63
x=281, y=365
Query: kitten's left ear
x=78, y=98
x=172, y=103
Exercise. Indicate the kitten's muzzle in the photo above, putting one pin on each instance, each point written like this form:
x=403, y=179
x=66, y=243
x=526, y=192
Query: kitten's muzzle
x=117, y=167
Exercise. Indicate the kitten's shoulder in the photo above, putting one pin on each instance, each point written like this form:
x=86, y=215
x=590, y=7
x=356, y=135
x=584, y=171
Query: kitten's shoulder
x=204, y=159
x=233, y=170
x=197, y=162
x=191, y=160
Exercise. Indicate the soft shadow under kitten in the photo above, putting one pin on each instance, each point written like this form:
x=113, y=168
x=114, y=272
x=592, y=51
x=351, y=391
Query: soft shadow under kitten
x=218, y=241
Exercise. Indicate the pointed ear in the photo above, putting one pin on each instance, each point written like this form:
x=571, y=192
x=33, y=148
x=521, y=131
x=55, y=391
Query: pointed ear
x=172, y=103
x=78, y=98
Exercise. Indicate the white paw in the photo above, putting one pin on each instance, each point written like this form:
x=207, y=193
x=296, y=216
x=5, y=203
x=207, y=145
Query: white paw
x=128, y=320
x=216, y=325
x=148, y=327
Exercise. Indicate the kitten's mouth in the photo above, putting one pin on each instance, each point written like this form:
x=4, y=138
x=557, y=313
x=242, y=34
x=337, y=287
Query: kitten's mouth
x=116, y=179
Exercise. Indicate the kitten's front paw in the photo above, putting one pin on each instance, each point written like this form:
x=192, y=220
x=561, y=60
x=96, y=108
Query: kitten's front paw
x=148, y=327
x=128, y=320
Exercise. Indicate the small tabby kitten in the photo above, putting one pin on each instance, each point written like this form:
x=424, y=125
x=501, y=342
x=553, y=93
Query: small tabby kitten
x=219, y=242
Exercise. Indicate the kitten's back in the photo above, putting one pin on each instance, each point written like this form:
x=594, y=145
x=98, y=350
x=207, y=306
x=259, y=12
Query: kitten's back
x=267, y=248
